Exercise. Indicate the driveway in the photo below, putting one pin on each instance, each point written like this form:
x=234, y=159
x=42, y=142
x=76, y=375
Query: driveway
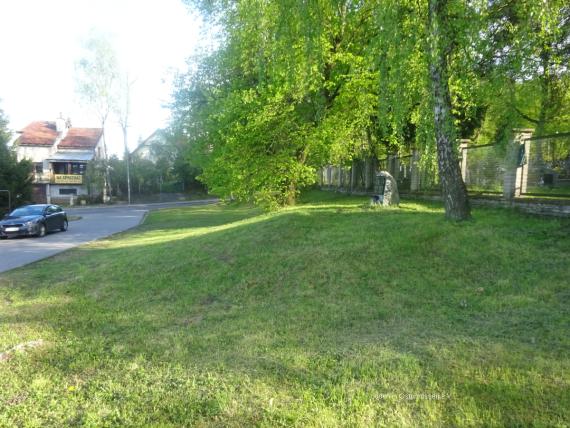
x=95, y=223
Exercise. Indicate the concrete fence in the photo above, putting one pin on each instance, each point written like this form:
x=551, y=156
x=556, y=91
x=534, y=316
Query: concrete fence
x=531, y=166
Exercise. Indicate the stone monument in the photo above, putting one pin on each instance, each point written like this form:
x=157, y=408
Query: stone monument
x=386, y=190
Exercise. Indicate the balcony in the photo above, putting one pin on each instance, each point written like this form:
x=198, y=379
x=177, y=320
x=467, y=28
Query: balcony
x=47, y=177
x=42, y=177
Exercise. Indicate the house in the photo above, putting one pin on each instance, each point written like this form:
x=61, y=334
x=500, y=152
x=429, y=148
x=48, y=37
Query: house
x=60, y=154
x=147, y=149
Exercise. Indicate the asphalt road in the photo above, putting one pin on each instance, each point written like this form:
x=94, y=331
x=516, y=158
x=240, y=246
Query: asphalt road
x=95, y=223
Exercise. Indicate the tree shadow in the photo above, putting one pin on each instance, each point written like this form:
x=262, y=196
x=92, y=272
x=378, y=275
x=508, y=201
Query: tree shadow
x=402, y=302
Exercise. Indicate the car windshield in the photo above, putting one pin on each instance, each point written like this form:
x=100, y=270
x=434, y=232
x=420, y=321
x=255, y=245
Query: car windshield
x=29, y=210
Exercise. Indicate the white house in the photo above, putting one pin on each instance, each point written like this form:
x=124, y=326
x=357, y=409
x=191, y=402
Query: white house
x=60, y=154
x=147, y=149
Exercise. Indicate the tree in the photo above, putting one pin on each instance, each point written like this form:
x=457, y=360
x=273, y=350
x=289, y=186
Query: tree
x=523, y=68
x=296, y=85
x=96, y=84
x=16, y=177
x=123, y=111
x=441, y=44
x=256, y=112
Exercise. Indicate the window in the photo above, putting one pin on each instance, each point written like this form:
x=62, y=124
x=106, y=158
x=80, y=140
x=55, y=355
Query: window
x=68, y=191
x=59, y=168
x=38, y=167
x=28, y=210
x=73, y=168
x=78, y=168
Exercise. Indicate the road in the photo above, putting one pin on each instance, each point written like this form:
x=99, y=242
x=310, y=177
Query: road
x=95, y=223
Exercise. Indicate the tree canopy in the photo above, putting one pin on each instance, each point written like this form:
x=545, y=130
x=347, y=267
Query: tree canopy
x=293, y=86
x=14, y=176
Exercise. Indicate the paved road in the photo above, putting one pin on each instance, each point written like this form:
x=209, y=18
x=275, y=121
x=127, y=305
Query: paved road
x=95, y=223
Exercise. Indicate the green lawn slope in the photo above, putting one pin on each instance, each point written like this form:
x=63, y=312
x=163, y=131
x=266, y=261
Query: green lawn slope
x=325, y=314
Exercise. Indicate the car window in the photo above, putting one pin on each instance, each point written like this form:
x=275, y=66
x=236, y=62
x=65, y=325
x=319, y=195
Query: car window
x=58, y=209
x=28, y=210
x=51, y=209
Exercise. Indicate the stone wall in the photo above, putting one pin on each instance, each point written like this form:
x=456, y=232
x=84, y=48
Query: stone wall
x=543, y=207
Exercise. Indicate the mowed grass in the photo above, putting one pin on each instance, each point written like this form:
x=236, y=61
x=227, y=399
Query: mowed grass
x=325, y=314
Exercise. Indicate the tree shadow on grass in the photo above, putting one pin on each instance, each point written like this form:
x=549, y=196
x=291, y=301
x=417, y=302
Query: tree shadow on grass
x=316, y=304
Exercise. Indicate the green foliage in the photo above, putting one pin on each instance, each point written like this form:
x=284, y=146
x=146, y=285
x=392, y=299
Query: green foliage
x=97, y=75
x=15, y=176
x=523, y=67
x=288, y=90
x=167, y=173
x=293, y=86
x=95, y=178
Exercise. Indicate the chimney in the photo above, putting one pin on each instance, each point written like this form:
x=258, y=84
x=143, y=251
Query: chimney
x=60, y=125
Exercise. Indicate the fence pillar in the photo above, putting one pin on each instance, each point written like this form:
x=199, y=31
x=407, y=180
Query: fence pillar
x=366, y=174
x=415, y=177
x=463, y=145
x=516, y=175
x=352, y=176
x=523, y=170
x=394, y=166
x=336, y=177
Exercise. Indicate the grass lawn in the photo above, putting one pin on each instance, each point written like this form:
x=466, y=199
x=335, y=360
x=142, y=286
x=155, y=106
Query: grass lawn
x=328, y=313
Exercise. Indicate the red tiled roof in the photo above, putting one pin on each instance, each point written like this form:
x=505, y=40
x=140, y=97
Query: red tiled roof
x=38, y=134
x=81, y=138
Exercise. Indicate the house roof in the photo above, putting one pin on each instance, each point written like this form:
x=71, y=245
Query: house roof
x=41, y=133
x=156, y=136
x=44, y=134
x=81, y=138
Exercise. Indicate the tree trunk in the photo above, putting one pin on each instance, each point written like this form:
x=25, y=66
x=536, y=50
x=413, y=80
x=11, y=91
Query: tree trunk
x=453, y=188
x=291, y=195
x=107, y=179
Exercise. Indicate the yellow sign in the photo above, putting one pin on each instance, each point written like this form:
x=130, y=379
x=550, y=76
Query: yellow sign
x=67, y=179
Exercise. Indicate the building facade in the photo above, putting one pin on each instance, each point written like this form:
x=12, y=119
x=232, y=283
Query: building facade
x=60, y=154
x=147, y=149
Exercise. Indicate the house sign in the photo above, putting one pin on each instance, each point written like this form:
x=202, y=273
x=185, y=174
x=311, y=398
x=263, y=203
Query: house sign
x=67, y=179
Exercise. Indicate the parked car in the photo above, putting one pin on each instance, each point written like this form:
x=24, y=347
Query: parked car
x=33, y=220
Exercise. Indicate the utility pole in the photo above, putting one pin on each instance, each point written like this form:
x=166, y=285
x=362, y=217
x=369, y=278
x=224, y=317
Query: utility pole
x=127, y=160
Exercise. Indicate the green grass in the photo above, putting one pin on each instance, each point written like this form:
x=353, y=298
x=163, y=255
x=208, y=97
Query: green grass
x=329, y=313
x=547, y=191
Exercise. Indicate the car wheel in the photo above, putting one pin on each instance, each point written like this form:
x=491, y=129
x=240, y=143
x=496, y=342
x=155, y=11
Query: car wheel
x=41, y=230
x=64, y=226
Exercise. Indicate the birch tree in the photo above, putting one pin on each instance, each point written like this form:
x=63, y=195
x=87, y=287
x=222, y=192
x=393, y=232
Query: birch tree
x=441, y=44
x=122, y=109
x=96, y=85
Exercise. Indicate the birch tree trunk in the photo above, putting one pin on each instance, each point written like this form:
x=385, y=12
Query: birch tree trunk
x=453, y=188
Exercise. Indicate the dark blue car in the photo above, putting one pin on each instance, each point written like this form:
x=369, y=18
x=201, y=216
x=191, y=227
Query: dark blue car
x=33, y=220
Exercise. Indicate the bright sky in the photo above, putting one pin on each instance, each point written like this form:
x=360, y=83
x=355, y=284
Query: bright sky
x=42, y=40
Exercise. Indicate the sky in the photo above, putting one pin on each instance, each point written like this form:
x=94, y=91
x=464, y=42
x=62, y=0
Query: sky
x=43, y=39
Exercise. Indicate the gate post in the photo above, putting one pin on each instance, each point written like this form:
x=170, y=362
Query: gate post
x=353, y=176
x=463, y=145
x=393, y=166
x=367, y=174
x=415, y=178
x=516, y=167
